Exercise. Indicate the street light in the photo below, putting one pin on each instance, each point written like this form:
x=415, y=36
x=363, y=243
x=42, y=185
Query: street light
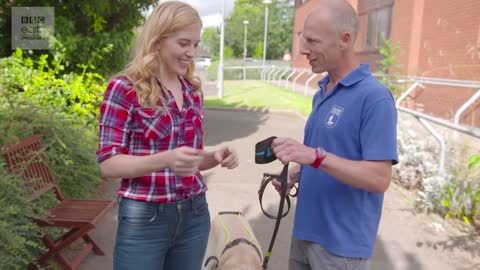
x=245, y=23
x=266, y=2
x=220, y=64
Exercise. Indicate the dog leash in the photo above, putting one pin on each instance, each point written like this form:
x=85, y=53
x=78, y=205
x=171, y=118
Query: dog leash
x=264, y=154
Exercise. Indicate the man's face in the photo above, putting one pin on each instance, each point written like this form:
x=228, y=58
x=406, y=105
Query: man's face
x=320, y=44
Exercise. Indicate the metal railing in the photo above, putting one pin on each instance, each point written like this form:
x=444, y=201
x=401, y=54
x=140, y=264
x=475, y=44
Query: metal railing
x=290, y=76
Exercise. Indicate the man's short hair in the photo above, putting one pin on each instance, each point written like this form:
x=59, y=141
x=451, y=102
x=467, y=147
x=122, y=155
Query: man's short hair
x=344, y=17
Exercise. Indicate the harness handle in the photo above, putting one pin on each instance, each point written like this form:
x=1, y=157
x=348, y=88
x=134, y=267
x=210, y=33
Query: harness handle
x=284, y=181
x=267, y=178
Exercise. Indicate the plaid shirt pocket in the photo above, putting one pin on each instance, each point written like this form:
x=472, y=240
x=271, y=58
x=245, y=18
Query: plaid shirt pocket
x=197, y=120
x=155, y=124
x=194, y=129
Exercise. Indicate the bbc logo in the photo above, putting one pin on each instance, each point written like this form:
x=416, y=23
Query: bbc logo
x=33, y=19
x=32, y=27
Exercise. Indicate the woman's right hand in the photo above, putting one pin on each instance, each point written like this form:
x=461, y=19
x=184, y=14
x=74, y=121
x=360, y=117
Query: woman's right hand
x=184, y=161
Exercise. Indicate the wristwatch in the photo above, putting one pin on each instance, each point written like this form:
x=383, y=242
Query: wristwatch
x=320, y=155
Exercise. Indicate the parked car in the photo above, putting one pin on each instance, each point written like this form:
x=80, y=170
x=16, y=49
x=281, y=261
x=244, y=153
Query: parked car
x=202, y=62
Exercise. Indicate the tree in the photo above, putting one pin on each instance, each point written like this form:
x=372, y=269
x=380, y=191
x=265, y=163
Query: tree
x=211, y=41
x=87, y=32
x=227, y=52
x=259, y=50
x=280, y=21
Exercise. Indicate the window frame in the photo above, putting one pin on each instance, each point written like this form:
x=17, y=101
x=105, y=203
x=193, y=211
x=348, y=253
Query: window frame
x=372, y=36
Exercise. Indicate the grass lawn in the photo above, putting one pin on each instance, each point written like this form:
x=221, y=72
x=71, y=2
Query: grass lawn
x=257, y=94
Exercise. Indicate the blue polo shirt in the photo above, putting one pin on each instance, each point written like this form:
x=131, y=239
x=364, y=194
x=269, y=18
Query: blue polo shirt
x=356, y=120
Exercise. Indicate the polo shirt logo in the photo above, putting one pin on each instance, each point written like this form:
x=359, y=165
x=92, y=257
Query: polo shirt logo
x=333, y=116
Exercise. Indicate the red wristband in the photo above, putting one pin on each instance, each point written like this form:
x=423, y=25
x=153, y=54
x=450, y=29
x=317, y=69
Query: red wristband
x=320, y=155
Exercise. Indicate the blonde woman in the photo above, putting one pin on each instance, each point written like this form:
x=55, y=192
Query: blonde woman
x=150, y=136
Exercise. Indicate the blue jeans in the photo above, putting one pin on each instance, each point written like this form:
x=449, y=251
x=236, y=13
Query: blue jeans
x=154, y=236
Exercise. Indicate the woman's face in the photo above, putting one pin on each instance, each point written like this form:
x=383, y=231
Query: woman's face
x=177, y=51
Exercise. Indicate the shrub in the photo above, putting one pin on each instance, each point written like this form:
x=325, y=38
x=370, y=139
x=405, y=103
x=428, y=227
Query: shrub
x=390, y=66
x=77, y=95
x=461, y=197
x=69, y=145
x=456, y=193
x=20, y=241
x=417, y=159
x=35, y=98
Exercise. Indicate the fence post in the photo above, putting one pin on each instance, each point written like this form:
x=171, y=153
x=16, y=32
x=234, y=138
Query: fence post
x=289, y=76
x=295, y=80
x=308, y=82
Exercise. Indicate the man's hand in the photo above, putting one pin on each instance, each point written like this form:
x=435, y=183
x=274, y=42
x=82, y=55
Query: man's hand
x=293, y=177
x=226, y=157
x=289, y=150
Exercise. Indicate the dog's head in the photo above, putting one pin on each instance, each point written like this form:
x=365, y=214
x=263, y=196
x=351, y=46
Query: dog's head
x=240, y=257
x=232, y=244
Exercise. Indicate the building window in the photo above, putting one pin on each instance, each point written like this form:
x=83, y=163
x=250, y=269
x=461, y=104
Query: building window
x=299, y=3
x=378, y=25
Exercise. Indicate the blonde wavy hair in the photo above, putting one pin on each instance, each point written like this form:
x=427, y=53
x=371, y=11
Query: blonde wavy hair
x=166, y=19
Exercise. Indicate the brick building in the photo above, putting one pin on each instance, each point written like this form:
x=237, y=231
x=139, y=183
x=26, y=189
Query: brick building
x=437, y=38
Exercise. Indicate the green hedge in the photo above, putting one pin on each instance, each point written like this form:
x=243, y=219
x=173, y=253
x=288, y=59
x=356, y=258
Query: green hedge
x=35, y=99
x=19, y=239
x=43, y=84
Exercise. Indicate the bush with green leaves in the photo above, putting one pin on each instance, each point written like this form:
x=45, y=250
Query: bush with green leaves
x=95, y=33
x=71, y=94
x=35, y=99
x=70, y=148
x=461, y=197
x=69, y=145
x=390, y=66
x=453, y=194
x=20, y=241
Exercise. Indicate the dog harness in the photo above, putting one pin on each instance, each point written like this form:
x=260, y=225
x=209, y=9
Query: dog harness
x=229, y=243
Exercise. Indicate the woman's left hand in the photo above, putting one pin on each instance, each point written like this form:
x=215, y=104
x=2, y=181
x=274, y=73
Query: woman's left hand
x=227, y=157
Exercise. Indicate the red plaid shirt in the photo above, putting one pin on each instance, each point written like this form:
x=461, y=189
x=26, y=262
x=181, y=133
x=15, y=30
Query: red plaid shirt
x=125, y=127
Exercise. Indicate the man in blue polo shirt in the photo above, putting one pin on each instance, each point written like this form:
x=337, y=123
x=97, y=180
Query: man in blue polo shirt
x=345, y=161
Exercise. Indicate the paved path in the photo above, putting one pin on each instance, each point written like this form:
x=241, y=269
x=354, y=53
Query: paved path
x=406, y=240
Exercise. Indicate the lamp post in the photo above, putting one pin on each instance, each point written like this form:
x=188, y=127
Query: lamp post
x=245, y=23
x=266, y=2
x=220, y=64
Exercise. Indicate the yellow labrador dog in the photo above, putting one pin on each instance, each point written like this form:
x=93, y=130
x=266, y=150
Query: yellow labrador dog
x=232, y=244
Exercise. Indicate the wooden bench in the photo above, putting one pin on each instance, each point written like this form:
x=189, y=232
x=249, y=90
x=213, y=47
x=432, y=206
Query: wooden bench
x=25, y=158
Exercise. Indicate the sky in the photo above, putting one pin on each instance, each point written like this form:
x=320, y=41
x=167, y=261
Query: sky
x=211, y=10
